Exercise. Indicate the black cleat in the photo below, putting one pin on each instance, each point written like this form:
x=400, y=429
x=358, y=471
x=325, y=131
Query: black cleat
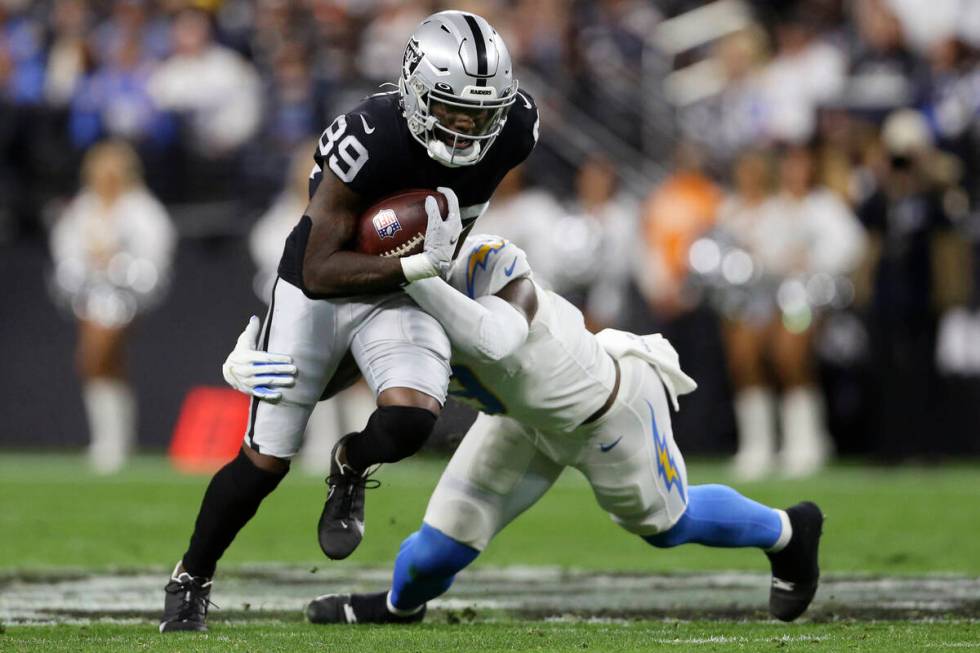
x=186, y=604
x=341, y=525
x=795, y=570
x=358, y=609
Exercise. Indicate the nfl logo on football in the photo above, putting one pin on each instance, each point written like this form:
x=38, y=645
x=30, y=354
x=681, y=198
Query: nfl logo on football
x=386, y=224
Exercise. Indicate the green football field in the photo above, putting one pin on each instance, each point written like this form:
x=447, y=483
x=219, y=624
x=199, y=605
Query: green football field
x=83, y=561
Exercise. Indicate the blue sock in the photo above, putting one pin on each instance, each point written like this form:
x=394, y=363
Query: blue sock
x=719, y=516
x=427, y=563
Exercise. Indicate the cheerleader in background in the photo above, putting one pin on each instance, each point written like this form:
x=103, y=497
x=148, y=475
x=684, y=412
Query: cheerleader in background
x=796, y=238
x=112, y=249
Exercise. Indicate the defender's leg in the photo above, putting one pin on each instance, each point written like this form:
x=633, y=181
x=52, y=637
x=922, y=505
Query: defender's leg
x=495, y=475
x=719, y=516
x=642, y=482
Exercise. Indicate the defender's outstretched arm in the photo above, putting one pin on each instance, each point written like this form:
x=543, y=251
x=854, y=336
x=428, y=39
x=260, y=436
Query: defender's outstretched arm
x=489, y=328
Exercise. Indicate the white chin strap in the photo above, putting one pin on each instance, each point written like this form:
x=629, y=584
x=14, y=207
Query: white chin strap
x=453, y=158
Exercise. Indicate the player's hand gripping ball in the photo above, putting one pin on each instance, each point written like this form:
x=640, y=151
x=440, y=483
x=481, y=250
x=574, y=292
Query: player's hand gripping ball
x=396, y=225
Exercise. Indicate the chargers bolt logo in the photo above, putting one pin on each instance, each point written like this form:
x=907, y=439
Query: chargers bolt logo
x=386, y=224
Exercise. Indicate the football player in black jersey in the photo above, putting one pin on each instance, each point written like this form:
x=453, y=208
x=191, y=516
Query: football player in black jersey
x=457, y=123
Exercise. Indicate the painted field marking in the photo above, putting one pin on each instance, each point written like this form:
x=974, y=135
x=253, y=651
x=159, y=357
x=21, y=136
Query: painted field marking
x=265, y=592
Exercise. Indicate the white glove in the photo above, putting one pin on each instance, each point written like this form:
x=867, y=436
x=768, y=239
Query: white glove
x=257, y=373
x=441, y=237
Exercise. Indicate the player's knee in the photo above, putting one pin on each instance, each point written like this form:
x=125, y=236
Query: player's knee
x=407, y=543
x=392, y=433
x=467, y=518
x=435, y=554
x=402, y=430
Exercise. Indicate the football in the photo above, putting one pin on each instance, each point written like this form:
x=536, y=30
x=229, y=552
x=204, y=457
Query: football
x=395, y=226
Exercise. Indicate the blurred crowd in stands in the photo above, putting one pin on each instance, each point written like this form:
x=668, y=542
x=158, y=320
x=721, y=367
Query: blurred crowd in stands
x=804, y=177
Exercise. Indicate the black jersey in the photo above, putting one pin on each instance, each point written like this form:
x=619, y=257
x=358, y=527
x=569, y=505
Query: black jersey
x=371, y=150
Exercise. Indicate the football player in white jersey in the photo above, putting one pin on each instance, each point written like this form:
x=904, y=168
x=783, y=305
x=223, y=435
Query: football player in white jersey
x=553, y=395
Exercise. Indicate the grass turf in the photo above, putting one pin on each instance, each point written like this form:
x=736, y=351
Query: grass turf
x=54, y=513
x=607, y=637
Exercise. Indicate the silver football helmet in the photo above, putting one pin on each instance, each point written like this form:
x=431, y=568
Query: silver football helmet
x=456, y=86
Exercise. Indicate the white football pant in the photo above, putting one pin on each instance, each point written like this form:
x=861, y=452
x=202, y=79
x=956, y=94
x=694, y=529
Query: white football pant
x=394, y=343
x=628, y=456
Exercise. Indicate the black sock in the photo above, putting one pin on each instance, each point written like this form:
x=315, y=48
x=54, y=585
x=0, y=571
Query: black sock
x=231, y=499
x=370, y=607
x=392, y=433
x=373, y=608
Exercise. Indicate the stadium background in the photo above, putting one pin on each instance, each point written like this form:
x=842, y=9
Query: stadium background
x=668, y=93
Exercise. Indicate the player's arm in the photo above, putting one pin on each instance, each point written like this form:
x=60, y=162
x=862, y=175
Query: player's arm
x=330, y=270
x=491, y=327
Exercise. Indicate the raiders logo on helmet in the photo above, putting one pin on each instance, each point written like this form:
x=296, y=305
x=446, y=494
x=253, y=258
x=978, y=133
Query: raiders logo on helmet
x=412, y=58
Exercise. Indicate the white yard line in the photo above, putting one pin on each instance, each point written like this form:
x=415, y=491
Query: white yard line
x=264, y=592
